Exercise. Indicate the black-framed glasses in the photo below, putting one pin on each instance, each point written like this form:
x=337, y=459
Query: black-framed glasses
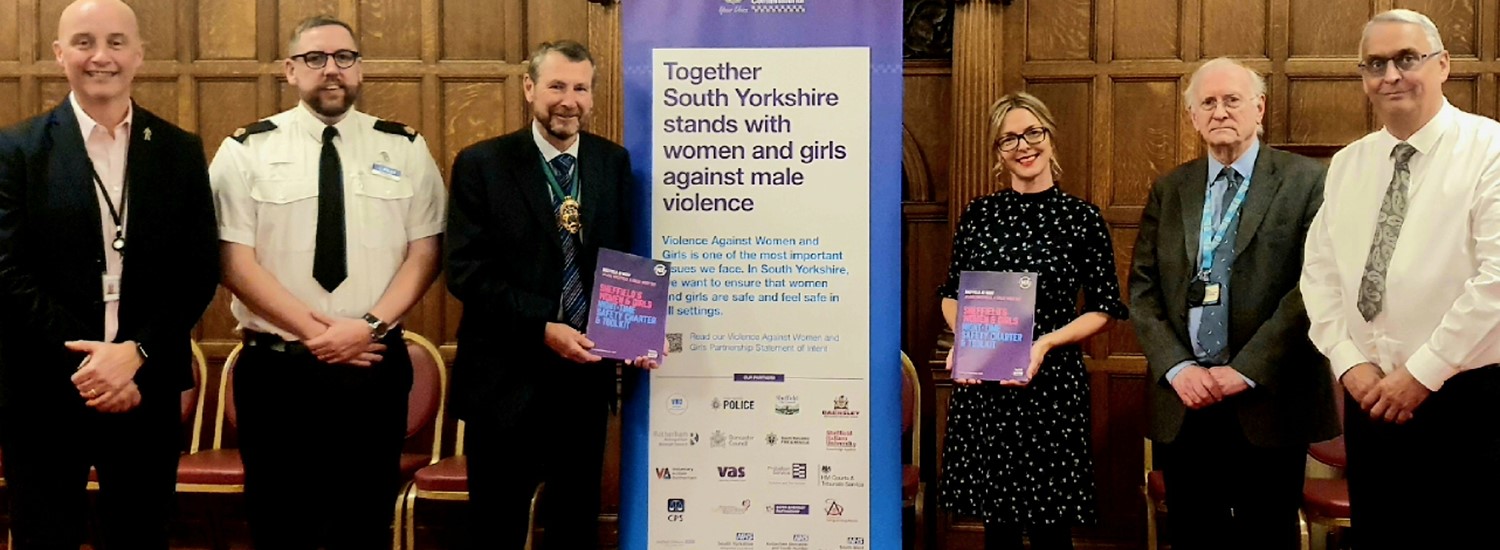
x=1009, y=142
x=317, y=60
x=1376, y=67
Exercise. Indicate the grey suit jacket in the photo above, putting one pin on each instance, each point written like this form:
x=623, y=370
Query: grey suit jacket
x=1292, y=403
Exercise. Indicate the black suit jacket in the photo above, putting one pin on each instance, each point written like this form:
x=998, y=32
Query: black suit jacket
x=1292, y=402
x=52, y=255
x=504, y=262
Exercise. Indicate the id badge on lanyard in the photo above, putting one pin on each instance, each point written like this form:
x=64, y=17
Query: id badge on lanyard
x=1202, y=291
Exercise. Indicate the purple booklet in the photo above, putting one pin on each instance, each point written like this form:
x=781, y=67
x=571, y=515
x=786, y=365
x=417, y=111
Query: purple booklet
x=996, y=313
x=628, y=315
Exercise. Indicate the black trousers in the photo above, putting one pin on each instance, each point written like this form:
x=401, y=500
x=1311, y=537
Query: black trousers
x=1225, y=493
x=48, y=452
x=321, y=445
x=560, y=441
x=1432, y=482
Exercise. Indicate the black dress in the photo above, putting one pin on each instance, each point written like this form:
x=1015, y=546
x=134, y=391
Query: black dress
x=1020, y=455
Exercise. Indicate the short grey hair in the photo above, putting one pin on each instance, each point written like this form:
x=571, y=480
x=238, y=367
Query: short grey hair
x=571, y=50
x=1257, y=82
x=1408, y=17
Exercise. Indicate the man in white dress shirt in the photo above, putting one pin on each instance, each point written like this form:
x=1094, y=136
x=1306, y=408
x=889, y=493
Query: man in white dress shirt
x=1402, y=285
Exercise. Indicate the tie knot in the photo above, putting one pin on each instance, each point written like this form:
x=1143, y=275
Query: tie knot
x=563, y=164
x=1230, y=176
x=1403, y=152
x=329, y=133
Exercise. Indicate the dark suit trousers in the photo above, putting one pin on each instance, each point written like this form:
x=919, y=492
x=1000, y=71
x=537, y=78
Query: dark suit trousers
x=1432, y=482
x=1225, y=493
x=322, y=446
x=48, y=453
x=558, y=440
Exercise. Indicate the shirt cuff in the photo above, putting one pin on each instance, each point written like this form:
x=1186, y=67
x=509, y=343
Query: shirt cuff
x=1343, y=357
x=1247, y=379
x=1429, y=369
x=1173, y=372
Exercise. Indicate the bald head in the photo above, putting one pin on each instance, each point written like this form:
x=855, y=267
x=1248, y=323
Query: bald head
x=99, y=48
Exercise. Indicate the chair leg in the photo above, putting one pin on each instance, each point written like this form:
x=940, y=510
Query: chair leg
x=411, y=516
x=399, y=517
x=1151, y=523
x=531, y=520
x=921, y=519
x=1306, y=536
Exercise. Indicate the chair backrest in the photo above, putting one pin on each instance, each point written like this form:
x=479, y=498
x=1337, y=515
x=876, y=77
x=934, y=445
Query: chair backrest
x=226, y=396
x=429, y=390
x=911, y=407
x=193, y=400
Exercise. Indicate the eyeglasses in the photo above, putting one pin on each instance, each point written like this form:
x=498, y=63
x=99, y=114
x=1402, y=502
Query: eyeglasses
x=317, y=60
x=1033, y=136
x=1376, y=67
x=1211, y=104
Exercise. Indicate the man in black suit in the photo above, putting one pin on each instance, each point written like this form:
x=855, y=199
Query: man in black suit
x=1236, y=389
x=94, y=350
x=529, y=212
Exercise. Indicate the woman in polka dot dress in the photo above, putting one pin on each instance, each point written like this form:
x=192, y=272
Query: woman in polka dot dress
x=1017, y=456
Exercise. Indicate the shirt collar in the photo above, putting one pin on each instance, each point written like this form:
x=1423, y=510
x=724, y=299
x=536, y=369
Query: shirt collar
x=314, y=125
x=1426, y=138
x=86, y=123
x=548, y=151
x=1245, y=165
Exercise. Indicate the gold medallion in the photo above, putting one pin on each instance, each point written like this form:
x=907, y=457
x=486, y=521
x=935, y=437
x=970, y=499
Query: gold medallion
x=567, y=215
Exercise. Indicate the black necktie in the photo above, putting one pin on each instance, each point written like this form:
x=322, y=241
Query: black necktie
x=575, y=305
x=329, y=267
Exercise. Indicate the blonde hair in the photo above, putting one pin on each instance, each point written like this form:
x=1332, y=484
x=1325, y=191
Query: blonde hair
x=1021, y=100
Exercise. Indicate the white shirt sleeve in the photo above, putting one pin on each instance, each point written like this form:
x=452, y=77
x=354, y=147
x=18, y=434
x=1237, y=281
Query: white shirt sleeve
x=1322, y=291
x=231, y=188
x=427, y=213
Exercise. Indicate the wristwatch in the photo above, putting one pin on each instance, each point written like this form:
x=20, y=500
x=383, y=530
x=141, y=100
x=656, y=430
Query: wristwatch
x=141, y=349
x=378, y=328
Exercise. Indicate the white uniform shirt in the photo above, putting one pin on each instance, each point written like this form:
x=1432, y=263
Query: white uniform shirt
x=266, y=195
x=1441, y=312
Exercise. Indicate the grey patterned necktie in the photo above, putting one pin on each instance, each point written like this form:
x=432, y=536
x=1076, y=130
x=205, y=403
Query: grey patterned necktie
x=1387, y=231
x=1213, y=326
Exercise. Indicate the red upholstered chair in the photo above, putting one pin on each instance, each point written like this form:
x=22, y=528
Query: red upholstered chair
x=913, y=490
x=1155, y=491
x=216, y=469
x=1325, y=501
x=193, y=403
x=447, y=479
x=424, y=405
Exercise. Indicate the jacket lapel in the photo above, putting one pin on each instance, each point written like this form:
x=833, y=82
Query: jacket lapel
x=69, y=170
x=140, y=172
x=1263, y=186
x=534, y=189
x=1190, y=194
x=591, y=179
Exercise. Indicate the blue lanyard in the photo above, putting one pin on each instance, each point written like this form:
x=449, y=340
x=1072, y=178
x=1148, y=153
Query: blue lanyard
x=1209, y=237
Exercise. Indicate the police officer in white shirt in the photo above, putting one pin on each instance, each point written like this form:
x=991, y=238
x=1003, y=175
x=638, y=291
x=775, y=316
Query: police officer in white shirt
x=330, y=222
x=1402, y=284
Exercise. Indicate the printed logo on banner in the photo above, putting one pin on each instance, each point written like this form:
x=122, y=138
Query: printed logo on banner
x=801, y=538
x=764, y=7
x=853, y=543
x=840, y=440
x=676, y=509
x=773, y=439
x=758, y=377
x=677, y=404
x=672, y=543
x=788, y=405
x=796, y=474
x=841, y=409
x=678, y=474
x=734, y=509
x=675, y=438
x=834, y=512
x=731, y=473
x=719, y=440
x=827, y=477
x=789, y=509
x=733, y=404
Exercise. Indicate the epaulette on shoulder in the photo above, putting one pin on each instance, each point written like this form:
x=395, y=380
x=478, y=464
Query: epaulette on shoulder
x=393, y=127
x=243, y=133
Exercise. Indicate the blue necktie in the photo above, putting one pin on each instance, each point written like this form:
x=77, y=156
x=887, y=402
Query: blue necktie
x=1213, y=326
x=575, y=303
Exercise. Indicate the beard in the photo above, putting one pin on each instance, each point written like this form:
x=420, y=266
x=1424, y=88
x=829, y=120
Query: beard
x=332, y=107
x=560, y=128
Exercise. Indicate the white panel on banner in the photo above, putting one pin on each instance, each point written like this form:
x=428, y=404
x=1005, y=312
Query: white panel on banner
x=761, y=200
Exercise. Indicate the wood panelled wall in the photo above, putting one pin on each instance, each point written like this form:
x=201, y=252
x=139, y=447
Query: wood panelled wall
x=1113, y=72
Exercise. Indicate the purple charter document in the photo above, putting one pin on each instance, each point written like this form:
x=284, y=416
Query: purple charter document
x=996, y=312
x=628, y=315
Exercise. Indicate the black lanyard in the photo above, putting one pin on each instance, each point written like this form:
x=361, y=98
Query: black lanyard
x=118, y=216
